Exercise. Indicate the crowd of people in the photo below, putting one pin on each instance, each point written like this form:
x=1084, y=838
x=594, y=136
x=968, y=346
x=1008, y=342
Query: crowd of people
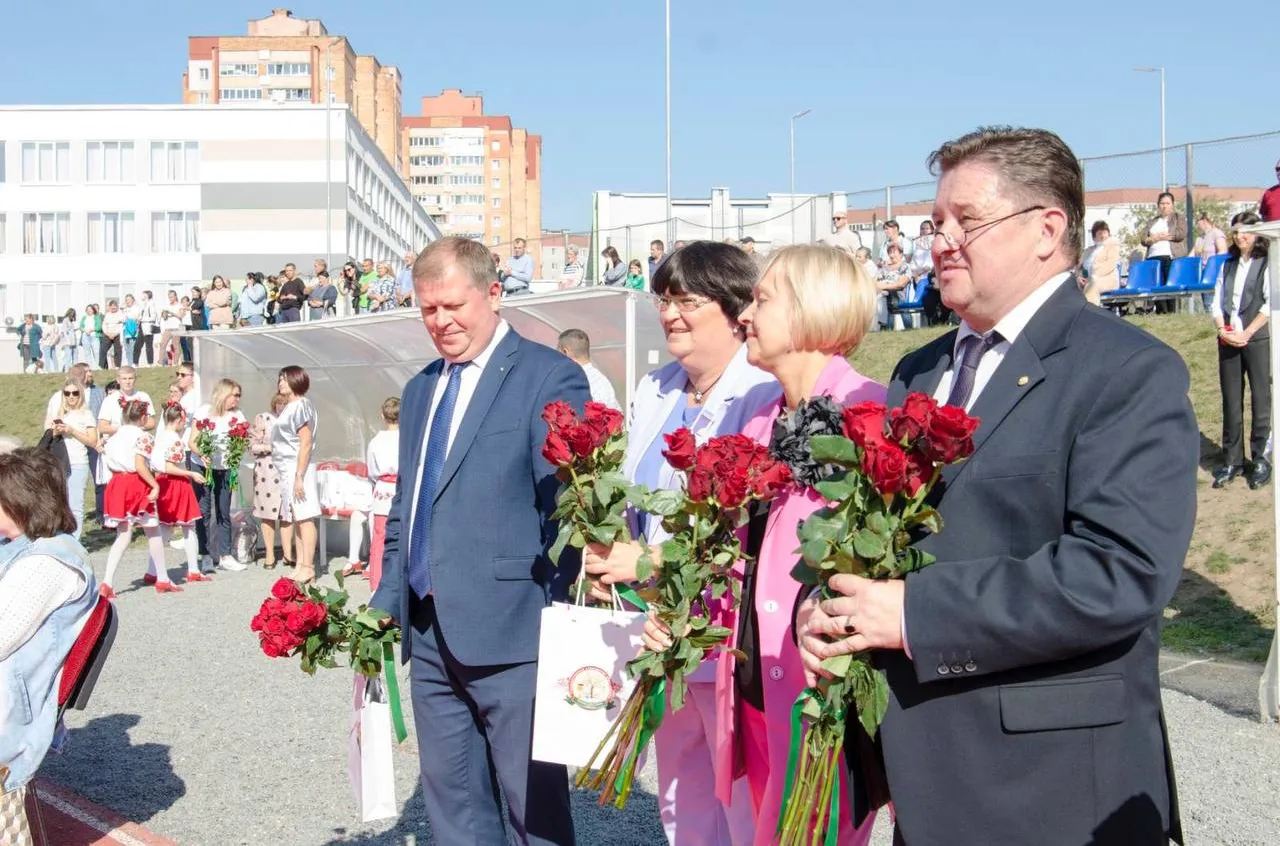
x=141, y=331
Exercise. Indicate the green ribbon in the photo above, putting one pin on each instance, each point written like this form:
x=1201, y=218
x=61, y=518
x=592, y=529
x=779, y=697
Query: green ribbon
x=393, y=692
x=793, y=760
x=651, y=712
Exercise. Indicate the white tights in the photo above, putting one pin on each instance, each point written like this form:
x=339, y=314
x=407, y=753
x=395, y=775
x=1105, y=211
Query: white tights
x=155, y=552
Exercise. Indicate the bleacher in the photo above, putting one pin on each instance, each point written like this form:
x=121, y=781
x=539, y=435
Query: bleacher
x=1146, y=283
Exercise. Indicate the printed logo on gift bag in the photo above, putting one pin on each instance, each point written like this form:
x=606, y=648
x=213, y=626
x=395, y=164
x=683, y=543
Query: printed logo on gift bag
x=591, y=689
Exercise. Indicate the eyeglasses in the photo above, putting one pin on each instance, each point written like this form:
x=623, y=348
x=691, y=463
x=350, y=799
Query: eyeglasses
x=71, y=393
x=967, y=236
x=683, y=304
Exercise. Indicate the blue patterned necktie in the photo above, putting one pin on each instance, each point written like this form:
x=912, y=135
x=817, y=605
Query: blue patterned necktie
x=966, y=371
x=437, y=451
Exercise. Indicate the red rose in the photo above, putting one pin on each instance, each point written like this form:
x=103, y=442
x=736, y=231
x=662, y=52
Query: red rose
x=733, y=489
x=273, y=626
x=581, y=440
x=296, y=622
x=771, y=479
x=286, y=589
x=317, y=613
x=556, y=451
x=599, y=413
x=864, y=423
x=271, y=648
x=919, y=471
x=886, y=466
x=681, y=449
x=255, y=625
x=559, y=415
x=274, y=607
x=908, y=423
x=949, y=436
x=701, y=485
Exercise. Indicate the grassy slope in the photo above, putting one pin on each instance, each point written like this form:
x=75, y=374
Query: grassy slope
x=1226, y=602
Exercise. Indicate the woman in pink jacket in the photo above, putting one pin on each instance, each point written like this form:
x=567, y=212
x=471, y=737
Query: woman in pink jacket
x=811, y=308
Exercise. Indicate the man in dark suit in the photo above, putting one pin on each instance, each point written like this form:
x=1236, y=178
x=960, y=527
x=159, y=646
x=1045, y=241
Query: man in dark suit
x=1025, y=704
x=465, y=569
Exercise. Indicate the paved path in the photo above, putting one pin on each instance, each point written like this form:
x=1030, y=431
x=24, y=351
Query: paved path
x=196, y=736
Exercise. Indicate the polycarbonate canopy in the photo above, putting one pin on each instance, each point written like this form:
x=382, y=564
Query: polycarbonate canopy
x=357, y=362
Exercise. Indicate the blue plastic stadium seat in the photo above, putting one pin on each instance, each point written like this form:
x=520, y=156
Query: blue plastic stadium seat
x=1209, y=276
x=915, y=294
x=1144, y=277
x=1184, y=276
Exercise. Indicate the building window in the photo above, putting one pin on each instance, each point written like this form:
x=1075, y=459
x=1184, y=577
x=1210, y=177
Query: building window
x=495, y=164
x=497, y=202
x=203, y=98
x=46, y=161
x=495, y=146
x=4, y=244
x=238, y=69
x=109, y=161
x=1, y=162
x=497, y=239
x=231, y=94
x=467, y=199
x=466, y=161
x=427, y=180
x=203, y=74
x=175, y=161
x=111, y=232
x=175, y=232
x=46, y=233
x=291, y=95
x=288, y=69
x=497, y=222
x=426, y=161
x=495, y=182
x=429, y=199
x=466, y=218
x=466, y=179
x=426, y=141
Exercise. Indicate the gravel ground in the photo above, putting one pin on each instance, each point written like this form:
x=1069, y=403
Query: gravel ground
x=196, y=735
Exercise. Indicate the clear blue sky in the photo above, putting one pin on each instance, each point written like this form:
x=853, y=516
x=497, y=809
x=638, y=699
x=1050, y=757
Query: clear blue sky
x=885, y=88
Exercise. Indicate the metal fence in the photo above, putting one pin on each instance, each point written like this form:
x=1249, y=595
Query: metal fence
x=1220, y=176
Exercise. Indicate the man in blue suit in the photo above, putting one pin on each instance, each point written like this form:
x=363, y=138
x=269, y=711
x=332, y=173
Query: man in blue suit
x=465, y=567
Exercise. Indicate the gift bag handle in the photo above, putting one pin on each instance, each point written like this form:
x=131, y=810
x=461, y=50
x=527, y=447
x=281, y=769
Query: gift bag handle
x=580, y=591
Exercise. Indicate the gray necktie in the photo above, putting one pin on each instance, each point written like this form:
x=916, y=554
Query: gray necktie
x=966, y=369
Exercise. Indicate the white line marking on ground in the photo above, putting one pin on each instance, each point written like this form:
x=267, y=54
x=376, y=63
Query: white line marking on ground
x=79, y=814
x=1184, y=666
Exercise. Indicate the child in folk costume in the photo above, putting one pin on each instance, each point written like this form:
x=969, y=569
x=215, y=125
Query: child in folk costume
x=177, y=505
x=383, y=461
x=130, y=500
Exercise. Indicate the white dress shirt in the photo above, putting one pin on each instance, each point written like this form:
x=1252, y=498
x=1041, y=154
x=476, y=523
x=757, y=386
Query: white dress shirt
x=469, y=379
x=1009, y=327
x=1236, y=282
x=601, y=388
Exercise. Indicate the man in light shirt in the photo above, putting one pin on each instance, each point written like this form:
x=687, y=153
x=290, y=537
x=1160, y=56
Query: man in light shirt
x=577, y=345
x=842, y=237
x=518, y=271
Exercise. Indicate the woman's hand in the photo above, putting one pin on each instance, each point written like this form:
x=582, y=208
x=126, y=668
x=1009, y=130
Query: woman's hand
x=809, y=616
x=154, y=493
x=656, y=636
x=299, y=490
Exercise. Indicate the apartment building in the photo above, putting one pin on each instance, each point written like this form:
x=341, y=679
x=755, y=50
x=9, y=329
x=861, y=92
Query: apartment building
x=101, y=201
x=477, y=175
x=282, y=59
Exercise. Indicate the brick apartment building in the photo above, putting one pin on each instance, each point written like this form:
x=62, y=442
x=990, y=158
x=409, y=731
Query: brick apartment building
x=476, y=174
x=283, y=59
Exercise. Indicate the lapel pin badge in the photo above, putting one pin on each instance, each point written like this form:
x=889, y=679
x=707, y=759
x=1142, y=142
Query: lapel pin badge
x=1022, y=381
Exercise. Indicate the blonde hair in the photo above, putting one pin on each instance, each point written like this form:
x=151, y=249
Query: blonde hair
x=72, y=383
x=221, y=392
x=278, y=402
x=833, y=298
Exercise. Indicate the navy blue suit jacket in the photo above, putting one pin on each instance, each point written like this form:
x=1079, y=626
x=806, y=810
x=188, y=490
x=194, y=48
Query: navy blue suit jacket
x=491, y=525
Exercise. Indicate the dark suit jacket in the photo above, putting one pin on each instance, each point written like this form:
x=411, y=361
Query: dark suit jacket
x=1031, y=712
x=490, y=527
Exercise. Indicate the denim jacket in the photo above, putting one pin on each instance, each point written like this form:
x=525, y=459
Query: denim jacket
x=29, y=677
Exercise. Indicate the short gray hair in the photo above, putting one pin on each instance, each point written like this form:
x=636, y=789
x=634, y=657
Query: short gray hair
x=471, y=256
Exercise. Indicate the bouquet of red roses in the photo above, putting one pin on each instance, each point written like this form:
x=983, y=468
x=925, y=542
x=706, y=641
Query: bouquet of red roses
x=723, y=477
x=237, y=446
x=204, y=446
x=885, y=462
x=587, y=452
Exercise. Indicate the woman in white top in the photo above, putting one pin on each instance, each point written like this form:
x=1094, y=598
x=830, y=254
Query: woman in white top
x=112, y=336
x=383, y=462
x=47, y=592
x=79, y=431
x=1165, y=238
x=571, y=277
x=223, y=411
x=292, y=441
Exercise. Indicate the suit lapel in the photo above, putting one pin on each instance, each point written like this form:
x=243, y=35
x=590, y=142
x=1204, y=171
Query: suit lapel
x=926, y=379
x=491, y=379
x=418, y=417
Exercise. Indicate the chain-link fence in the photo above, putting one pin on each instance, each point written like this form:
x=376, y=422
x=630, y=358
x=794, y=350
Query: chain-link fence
x=1220, y=177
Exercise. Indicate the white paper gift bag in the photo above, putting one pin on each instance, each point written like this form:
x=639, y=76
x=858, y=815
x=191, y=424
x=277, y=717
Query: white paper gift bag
x=369, y=751
x=582, y=679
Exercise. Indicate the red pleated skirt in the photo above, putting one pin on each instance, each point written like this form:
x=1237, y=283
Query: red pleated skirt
x=177, y=505
x=125, y=500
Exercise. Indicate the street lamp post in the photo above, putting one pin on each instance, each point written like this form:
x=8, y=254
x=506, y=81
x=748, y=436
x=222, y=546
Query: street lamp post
x=667, y=42
x=794, y=118
x=1164, y=179
x=328, y=158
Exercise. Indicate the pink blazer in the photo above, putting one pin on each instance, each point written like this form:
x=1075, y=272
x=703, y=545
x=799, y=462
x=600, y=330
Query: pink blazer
x=781, y=672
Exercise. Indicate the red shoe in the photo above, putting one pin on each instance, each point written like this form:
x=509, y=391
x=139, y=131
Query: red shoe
x=105, y=591
x=199, y=577
x=148, y=579
x=167, y=587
